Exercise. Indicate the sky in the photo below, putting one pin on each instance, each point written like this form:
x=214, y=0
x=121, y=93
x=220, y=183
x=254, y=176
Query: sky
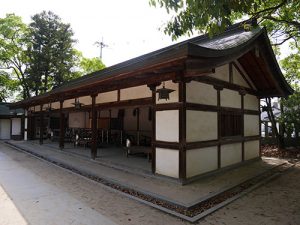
x=129, y=28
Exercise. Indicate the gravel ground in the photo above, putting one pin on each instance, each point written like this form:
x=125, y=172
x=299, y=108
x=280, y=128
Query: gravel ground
x=278, y=202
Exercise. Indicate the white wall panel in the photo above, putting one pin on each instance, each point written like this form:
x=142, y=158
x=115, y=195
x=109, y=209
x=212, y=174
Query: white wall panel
x=135, y=92
x=251, y=149
x=251, y=102
x=230, y=98
x=199, y=161
x=201, y=126
x=251, y=125
x=105, y=97
x=231, y=154
x=201, y=93
x=167, y=162
x=167, y=125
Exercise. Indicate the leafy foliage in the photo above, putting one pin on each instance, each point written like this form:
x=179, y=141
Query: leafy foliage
x=281, y=17
x=290, y=115
x=51, y=52
x=14, y=39
x=7, y=86
x=87, y=65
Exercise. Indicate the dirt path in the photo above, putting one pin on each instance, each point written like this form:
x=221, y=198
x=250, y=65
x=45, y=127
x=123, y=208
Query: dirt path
x=276, y=203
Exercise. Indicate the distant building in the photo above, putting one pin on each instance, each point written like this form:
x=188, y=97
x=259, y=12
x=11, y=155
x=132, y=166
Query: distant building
x=11, y=122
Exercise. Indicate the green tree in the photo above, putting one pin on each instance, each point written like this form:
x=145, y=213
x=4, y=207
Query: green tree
x=281, y=17
x=8, y=86
x=290, y=115
x=14, y=39
x=87, y=65
x=52, y=55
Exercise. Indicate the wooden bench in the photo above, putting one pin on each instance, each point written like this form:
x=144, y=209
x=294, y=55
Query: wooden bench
x=134, y=150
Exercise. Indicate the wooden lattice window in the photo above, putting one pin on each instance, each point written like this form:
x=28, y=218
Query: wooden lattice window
x=231, y=124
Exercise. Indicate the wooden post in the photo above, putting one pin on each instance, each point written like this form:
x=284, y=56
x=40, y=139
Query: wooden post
x=41, y=125
x=152, y=87
x=219, y=123
x=182, y=131
x=242, y=125
x=61, y=126
x=137, y=126
x=94, y=128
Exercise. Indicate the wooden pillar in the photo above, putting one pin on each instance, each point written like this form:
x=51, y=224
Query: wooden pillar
x=152, y=87
x=41, y=125
x=61, y=126
x=259, y=126
x=242, y=93
x=94, y=128
x=29, y=125
x=137, y=126
x=182, y=131
x=219, y=123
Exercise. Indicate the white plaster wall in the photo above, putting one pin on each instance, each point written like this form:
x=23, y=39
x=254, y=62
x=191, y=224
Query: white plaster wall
x=16, y=126
x=4, y=128
x=238, y=78
x=111, y=96
x=135, y=92
x=251, y=149
x=201, y=93
x=221, y=73
x=251, y=102
x=69, y=103
x=130, y=121
x=167, y=125
x=174, y=96
x=55, y=105
x=37, y=108
x=251, y=125
x=201, y=126
x=145, y=123
x=77, y=119
x=231, y=154
x=86, y=100
x=167, y=162
x=199, y=161
x=230, y=98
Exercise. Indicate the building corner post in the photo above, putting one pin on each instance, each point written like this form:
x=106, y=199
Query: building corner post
x=61, y=126
x=94, y=128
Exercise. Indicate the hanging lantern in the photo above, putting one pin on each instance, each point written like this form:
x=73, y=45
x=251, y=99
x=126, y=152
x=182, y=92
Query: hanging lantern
x=77, y=104
x=164, y=93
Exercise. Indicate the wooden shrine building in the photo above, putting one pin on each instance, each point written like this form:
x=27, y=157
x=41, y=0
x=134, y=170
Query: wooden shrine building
x=195, y=103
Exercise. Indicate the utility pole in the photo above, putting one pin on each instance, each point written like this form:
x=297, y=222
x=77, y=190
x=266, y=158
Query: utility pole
x=101, y=45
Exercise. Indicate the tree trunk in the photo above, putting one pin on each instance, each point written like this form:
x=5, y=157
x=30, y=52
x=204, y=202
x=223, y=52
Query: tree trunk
x=278, y=135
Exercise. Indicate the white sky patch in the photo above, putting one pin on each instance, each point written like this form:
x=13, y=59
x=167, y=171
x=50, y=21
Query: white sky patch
x=129, y=28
